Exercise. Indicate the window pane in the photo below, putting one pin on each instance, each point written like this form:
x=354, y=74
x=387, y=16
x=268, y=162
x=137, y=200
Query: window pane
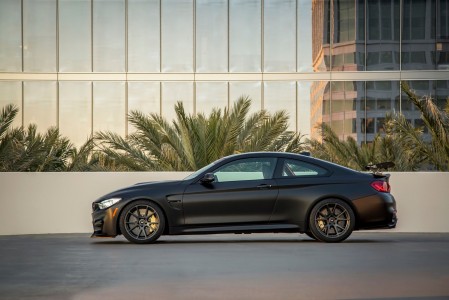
x=109, y=107
x=39, y=35
x=280, y=36
x=144, y=97
x=246, y=169
x=172, y=92
x=74, y=36
x=177, y=36
x=304, y=39
x=143, y=36
x=109, y=35
x=294, y=168
x=320, y=35
x=211, y=36
x=75, y=110
x=11, y=93
x=382, y=45
x=10, y=36
x=251, y=89
x=304, y=89
x=281, y=96
x=210, y=95
x=40, y=104
x=245, y=35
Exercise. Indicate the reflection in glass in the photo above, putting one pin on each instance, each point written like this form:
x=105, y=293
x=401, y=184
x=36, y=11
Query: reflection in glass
x=144, y=97
x=251, y=89
x=109, y=35
x=177, y=35
x=75, y=110
x=279, y=36
x=40, y=104
x=245, y=36
x=109, y=107
x=418, y=35
x=281, y=96
x=442, y=94
x=10, y=36
x=303, y=100
x=304, y=38
x=74, y=36
x=321, y=35
x=11, y=93
x=210, y=95
x=143, y=36
x=211, y=36
x=39, y=35
x=172, y=92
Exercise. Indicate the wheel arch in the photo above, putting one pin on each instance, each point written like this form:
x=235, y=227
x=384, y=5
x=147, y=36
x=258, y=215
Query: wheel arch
x=119, y=215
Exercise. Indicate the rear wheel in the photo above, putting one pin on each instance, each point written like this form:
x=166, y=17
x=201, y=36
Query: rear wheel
x=331, y=221
x=142, y=222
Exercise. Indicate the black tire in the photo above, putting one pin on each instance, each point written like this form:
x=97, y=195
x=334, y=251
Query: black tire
x=331, y=221
x=142, y=222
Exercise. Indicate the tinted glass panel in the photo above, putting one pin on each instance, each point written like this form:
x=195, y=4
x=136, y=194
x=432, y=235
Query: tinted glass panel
x=211, y=36
x=109, y=35
x=173, y=92
x=40, y=104
x=245, y=35
x=74, y=36
x=10, y=36
x=177, y=35
x=210, y=95
x=75, y=110
x=250, y=89
x=246, y=169
x=11, y=93
x=294, y=168
x=279, y=36
x=143, y=36
x=109, y=107
x=39, y=35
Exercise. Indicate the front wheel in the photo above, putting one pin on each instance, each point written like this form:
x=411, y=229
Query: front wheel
x=331, y=221
x=142, y=222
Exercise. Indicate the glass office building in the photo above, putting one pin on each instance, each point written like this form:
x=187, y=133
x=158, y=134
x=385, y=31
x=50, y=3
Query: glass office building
x=82, y=65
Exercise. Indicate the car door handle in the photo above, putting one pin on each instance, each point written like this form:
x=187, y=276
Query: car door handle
x=264, y=186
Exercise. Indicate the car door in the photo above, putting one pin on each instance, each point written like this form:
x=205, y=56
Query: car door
x=300, y=183
x=243, y=191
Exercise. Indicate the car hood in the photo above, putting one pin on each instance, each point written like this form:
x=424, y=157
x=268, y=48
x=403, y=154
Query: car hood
x=153, y=185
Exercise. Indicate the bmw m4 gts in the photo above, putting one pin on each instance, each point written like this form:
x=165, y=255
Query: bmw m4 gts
x=250, y=193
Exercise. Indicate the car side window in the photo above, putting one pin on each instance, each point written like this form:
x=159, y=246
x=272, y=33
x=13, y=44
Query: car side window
x=296, y=168
x=246, y=169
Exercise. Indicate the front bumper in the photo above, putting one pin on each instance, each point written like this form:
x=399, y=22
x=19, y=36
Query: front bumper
x=104, y=222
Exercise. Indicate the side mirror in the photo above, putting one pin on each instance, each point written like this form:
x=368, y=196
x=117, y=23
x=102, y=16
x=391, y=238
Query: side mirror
x=208, y=178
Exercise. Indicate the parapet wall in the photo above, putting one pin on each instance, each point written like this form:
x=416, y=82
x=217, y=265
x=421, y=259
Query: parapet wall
x=39, y=203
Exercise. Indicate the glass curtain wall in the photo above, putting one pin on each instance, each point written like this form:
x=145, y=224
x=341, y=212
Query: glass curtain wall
x=83, y=65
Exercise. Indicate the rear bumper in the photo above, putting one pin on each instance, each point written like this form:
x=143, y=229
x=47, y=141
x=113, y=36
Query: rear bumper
x=376, y=212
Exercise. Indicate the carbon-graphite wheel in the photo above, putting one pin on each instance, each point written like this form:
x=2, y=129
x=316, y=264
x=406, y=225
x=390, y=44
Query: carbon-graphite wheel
x=331, y=221
x=142, y=222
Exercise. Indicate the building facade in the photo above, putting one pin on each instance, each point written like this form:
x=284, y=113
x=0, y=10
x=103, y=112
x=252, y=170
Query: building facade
x=83, y=65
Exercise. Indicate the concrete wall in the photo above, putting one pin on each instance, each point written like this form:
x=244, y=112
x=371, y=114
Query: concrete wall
x=33, y=203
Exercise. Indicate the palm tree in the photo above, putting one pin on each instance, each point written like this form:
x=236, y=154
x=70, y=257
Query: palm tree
x=193, y=141
x=349, y=153
x=435, y=151
x=26, y=150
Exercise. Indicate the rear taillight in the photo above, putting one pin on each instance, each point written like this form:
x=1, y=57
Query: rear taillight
x=381, y=186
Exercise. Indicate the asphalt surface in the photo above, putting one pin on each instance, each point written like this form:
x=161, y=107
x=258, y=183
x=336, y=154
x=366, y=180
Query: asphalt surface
x=257, y=266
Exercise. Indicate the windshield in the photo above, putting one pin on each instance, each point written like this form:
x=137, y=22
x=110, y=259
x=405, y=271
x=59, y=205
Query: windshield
x=194, y=174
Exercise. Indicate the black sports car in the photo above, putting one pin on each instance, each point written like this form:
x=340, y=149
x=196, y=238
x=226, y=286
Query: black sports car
x=248, y=193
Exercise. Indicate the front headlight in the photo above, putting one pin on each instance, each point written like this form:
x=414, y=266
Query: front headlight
x=108, y=202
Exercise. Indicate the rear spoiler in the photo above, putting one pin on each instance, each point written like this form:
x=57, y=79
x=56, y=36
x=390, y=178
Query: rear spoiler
x=378, y=168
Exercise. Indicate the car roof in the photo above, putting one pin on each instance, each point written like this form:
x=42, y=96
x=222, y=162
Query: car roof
x=324, y=163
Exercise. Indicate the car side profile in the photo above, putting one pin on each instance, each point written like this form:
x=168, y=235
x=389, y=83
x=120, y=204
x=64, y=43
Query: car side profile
x=250, y=193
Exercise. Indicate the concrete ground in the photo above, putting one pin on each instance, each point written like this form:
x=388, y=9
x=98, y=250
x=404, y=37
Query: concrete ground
x=259, y=266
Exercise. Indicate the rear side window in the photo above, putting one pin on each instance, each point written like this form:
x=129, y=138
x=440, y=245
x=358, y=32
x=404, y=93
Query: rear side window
x=297, y=168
